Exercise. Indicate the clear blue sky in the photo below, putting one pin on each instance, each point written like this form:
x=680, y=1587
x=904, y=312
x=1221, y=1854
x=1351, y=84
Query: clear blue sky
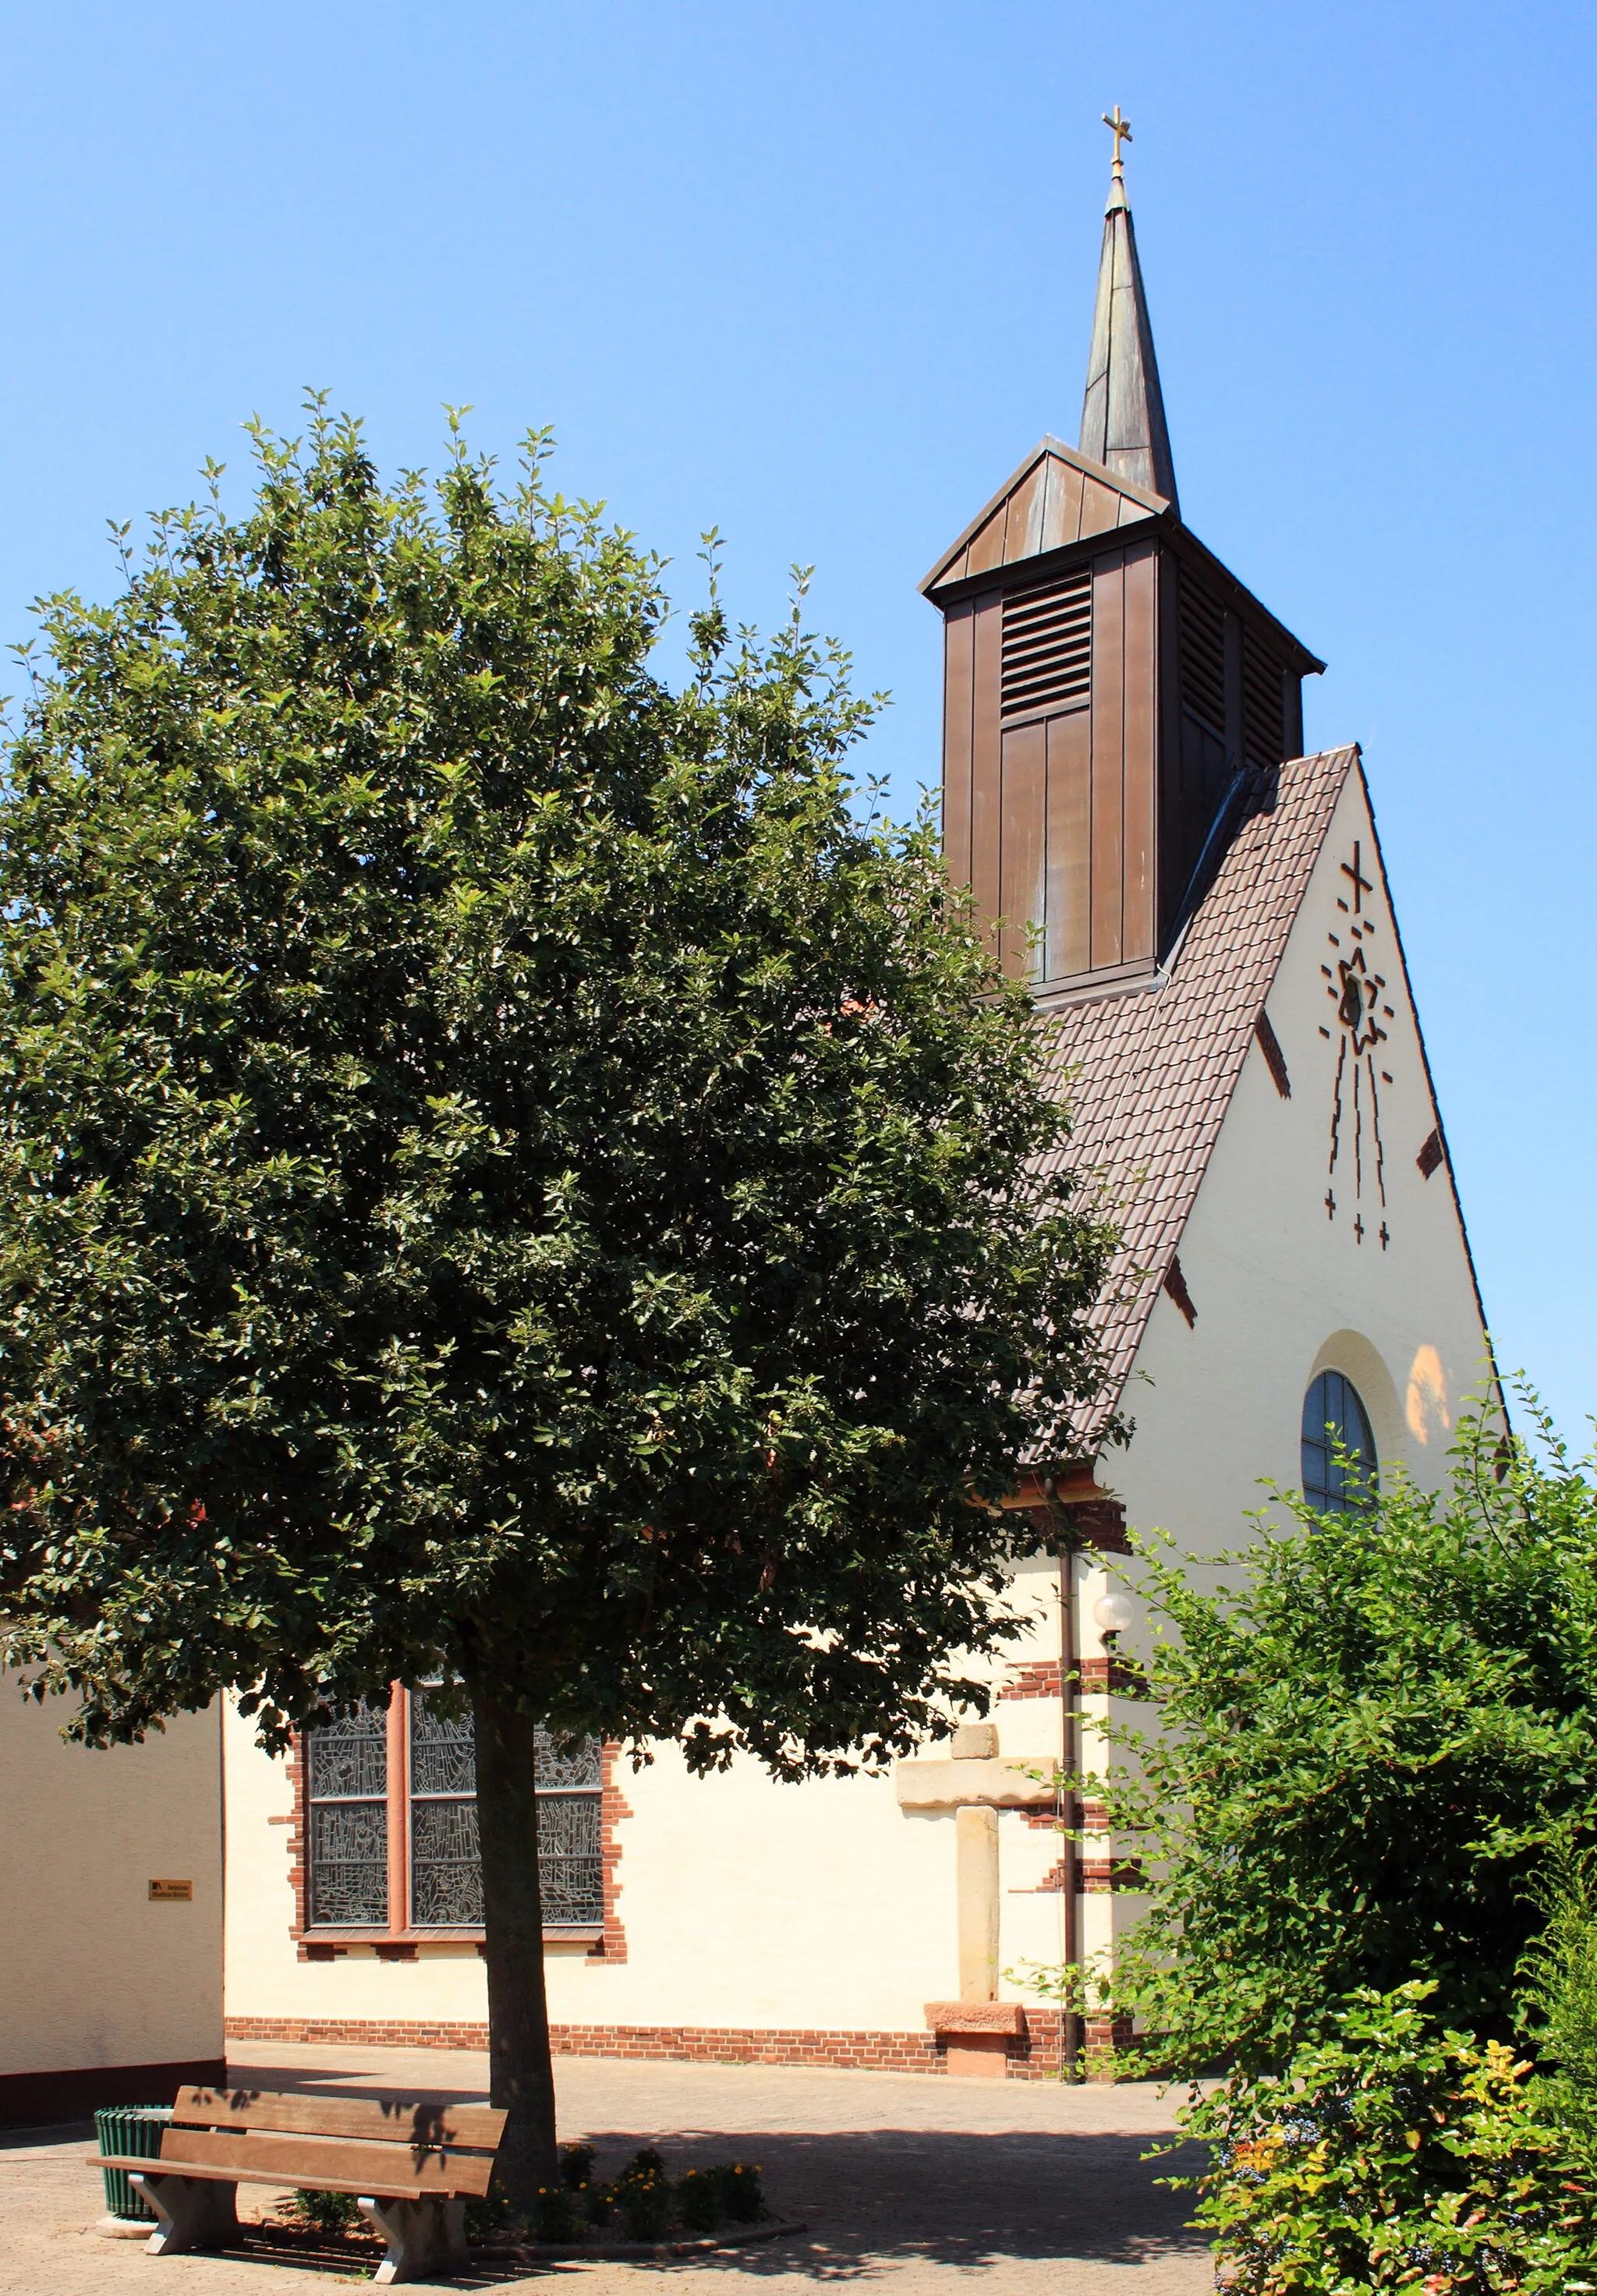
x=822, y=274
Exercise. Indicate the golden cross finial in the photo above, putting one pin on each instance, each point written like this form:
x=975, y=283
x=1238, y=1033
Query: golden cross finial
x=1121, y=129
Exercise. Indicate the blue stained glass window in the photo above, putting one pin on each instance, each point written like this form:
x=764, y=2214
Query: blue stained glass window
x=1335, y=1421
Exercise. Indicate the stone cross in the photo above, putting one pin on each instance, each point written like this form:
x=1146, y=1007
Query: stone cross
x=976, y=1785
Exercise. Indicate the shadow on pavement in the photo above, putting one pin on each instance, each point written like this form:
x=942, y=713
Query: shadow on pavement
x=968, y=2200
x=961, y=2199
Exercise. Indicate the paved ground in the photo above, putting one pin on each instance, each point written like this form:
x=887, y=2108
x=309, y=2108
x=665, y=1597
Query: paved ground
x=916, y=2186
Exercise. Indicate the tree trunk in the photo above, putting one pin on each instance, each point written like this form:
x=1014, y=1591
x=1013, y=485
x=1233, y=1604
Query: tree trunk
x=521, y=2077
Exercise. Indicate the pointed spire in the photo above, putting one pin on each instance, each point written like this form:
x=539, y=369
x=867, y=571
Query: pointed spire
x=1123, y=415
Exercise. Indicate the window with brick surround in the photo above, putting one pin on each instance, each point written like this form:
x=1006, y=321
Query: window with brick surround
x=389, y=1828
x=347, y=1838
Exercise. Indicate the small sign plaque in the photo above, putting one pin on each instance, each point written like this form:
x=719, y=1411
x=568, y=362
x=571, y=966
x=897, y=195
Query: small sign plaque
x=171, y=1893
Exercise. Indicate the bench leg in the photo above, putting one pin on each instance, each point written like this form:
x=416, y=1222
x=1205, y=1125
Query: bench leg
x=192, y=2211
x=423, y=2237
x=453, y=2213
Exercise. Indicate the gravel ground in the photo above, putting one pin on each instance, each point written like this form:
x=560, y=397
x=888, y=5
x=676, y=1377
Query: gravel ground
x=918, y=2186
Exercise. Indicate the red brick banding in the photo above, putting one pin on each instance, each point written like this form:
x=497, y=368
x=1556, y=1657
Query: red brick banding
x=1100, y=1874
x=1038, y=1678
x=1116, y=1676
x=1032, y=2055
x=614, y=1805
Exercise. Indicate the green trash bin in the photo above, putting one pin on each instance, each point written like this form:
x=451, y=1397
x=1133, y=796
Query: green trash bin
x=129, y=2128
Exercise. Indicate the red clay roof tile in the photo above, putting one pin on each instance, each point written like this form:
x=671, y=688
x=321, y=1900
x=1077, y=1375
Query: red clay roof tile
x=1149, y=1071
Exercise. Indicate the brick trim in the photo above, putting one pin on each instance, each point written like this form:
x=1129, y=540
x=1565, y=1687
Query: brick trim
x=1116, y=1678
x=1035, y=2055
x=1038, y=1678
x=1094, y=1876
x=614, y=1805
x=1099, y=1523
x=1103, y=2033
x=298, y=1841
x=1099, y=1875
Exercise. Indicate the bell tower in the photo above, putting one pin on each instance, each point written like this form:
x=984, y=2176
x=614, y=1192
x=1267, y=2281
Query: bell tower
x=1110, y=689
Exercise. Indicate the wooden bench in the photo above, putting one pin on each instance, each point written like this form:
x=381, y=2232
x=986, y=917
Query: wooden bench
x=412, y=2167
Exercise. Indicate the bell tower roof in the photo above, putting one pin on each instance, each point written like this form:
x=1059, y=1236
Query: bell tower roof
x=1122, y=412
x=1113, y=699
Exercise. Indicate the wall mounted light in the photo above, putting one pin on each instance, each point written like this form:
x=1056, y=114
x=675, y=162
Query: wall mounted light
x=1112, y=1614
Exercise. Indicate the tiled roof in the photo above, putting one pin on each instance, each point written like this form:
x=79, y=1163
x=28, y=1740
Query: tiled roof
x=1149, y=1071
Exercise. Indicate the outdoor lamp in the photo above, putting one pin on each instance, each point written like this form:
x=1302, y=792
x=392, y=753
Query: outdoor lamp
x=1112, y=1614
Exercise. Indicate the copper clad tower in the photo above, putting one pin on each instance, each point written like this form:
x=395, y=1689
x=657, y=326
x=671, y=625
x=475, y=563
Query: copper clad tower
x=1110, y=688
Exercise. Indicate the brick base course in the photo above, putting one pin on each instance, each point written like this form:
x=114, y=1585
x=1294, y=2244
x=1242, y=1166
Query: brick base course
x=1032, y=2056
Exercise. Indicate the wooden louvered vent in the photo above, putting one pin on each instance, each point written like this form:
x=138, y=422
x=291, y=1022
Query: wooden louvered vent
x=1262, y=729
x=1048, y=647
x=1203, y=658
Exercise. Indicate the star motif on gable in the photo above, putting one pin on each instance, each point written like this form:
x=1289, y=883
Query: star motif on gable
x=1357, y=992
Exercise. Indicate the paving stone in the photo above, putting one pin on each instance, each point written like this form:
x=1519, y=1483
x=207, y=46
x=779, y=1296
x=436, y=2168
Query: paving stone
x=918, y=2186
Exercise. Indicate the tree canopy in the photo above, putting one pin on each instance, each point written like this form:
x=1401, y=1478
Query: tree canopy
x=503, y=1176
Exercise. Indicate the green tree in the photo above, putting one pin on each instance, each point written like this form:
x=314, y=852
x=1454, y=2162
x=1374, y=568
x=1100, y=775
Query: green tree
x=1367, y=1747
x=502, y=1176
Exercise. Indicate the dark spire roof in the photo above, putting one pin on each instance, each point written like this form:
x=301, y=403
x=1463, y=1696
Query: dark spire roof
x=1123, y=415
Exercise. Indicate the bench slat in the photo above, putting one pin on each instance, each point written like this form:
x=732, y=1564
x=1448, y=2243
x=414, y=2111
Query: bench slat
x=260, y=2154
x=402, y=2122
x=390, y=2191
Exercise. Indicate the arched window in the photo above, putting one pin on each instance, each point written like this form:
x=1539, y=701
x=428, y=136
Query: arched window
x=1334, y=1419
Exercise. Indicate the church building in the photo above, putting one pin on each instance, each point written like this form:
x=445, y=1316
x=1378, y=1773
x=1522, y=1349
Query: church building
x=1205, y=913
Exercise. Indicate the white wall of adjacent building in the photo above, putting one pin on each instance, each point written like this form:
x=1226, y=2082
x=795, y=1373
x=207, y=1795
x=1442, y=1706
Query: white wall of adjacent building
x=97, y=1973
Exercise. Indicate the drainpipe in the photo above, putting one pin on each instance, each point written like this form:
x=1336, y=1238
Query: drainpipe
x=1069, y=1758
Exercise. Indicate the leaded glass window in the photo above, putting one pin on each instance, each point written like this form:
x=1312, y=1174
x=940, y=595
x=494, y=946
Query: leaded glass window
x=434, y=1818
x=446, y=1875
x=347, y=1792
x=1336, y=1422
x=571, y=1865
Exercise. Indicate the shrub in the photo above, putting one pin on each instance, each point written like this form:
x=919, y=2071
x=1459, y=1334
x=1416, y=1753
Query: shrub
x=324, y=2212
x=741, y=2198
x=698, y=2199
x=555, y=2216
x=1558, y=1977
x=576, y=2165
x=1364, y=1742
x=643, y=2198
x=489, y=2215
x=598, y=2203
x=1392, y=2155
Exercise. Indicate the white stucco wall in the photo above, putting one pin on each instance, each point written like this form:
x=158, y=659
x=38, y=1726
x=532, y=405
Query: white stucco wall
x=97, y=1974
x=745, y=1903
x=1282, y=1290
